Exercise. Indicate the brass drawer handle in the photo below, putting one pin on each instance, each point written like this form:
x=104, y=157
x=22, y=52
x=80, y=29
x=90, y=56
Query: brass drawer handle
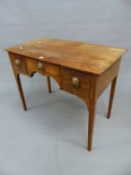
x=75, y=82
x=41, y=66
x=17, y=63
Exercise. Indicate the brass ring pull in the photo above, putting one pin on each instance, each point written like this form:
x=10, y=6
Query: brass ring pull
x=41, y=66
x=17, y=63
x=75, y=82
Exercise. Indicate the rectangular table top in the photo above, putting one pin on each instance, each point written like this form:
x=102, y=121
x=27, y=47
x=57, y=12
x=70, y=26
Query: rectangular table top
x=82, y=56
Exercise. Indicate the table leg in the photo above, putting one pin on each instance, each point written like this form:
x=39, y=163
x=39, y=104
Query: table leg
x=112, y=92
x=91, y=124
x=18, y=82
x=49, y=84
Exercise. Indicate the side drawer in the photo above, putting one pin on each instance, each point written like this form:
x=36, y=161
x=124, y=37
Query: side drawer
x=76, y=82
x=18, y=63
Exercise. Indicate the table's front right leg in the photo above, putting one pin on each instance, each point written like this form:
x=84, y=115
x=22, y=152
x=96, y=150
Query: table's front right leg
x=92, y=110
x=82, y=85
x=91, y=120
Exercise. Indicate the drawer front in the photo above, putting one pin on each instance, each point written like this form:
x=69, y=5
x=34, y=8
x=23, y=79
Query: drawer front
x=32, y=66
x=52, y=69
x=76, y=82
x=41, y=67
x=19, y=64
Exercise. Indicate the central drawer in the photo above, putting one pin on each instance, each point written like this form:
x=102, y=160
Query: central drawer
x=41, y=67
x=76, y=82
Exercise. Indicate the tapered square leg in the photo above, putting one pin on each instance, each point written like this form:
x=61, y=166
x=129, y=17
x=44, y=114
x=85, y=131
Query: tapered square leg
x=91, y=124
x=112, y=92
x=49, y=84
x=18, y=82
x=91, y=103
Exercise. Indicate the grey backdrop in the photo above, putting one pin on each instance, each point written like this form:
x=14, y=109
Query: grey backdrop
x=51, y=137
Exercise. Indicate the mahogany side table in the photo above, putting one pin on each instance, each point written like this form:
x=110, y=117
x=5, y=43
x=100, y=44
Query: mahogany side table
x=82, y=69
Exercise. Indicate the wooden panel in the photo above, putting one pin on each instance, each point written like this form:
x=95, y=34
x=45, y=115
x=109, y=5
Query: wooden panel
x=85, y=57
x=84, y=83
x=105, y=79
x=52, y=69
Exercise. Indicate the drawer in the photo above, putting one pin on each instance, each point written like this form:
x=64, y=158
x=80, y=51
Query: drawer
x=32, y=66
x=52, y=69
x=75, y=82
x=41, y=67
x=19, y=64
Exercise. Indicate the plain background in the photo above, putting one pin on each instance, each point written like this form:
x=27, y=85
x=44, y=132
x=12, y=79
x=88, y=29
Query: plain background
x=51, y=137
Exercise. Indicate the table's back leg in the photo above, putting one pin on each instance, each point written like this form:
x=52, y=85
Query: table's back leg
x=18, y=82
x=112, y=92
x=49, y=84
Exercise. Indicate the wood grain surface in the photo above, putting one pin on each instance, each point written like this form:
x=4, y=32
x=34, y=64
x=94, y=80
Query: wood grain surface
x=81, y=56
